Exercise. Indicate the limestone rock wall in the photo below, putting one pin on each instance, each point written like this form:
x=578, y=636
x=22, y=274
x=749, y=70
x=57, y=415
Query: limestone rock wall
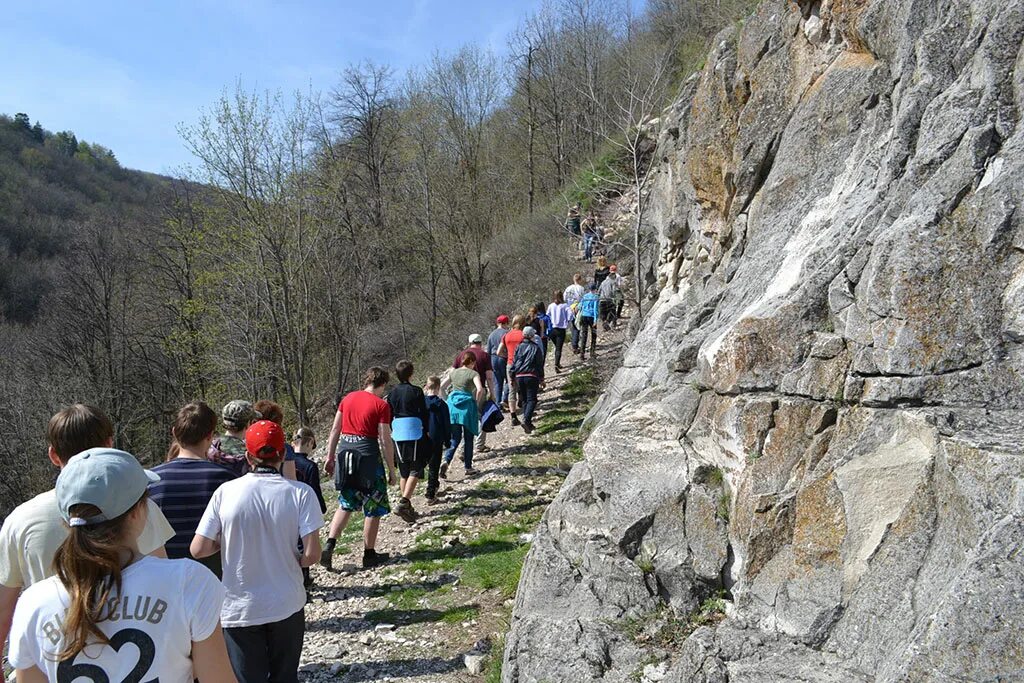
x=822, y=413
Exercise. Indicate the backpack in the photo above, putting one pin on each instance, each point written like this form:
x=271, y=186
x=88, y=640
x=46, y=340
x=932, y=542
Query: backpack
x=357, y=467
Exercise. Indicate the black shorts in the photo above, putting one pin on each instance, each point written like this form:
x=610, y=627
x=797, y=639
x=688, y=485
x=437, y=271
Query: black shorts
x=413, y=457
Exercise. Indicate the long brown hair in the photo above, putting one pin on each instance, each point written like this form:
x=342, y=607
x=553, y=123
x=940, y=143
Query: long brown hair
x=88, y=563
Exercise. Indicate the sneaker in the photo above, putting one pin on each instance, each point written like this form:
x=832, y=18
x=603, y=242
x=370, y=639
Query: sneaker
x=405, y=511
x=484, y=449
x=528, y=427
x=470, y=472
x=371, y=558
x=327, y=556
x=433, y=500
x=444, y=471
x=504, y=406
x=515, y=419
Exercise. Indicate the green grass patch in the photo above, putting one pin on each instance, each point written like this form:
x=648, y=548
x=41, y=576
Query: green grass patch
x=663, y=629
x=604, y=177
x=496, y=570
x=581, y=383
x=457, y=615
x=492, y=670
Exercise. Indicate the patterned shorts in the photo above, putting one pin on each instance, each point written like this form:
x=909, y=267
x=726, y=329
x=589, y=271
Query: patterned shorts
x=373, y=504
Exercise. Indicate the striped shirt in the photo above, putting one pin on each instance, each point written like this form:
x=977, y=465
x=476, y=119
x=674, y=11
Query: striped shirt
x=183, y=492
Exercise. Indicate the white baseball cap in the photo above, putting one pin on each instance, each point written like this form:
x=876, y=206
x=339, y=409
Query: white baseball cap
x=107, y=478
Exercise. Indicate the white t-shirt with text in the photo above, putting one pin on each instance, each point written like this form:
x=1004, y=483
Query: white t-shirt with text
x=164, y=606
x=34, y=530
x=258, y=518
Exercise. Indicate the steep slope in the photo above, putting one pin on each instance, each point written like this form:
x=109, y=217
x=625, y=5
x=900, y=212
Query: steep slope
x=820, y=416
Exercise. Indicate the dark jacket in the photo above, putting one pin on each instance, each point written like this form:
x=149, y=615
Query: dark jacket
x=440, y=426
x=307, y=472
x=407, y=400
x=529, y=360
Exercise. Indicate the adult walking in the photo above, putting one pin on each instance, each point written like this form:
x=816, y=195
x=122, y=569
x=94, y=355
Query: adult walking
x=544, y=320
x=590, y=237
x=362, y=426
x=486, y=372
x=463, y=406
x=590, y=306
x=572, y=295
x=509, y=343
x=608, y=292
x=499, y=361
x=559, y=314
x=601, y=271
x=528, y=369
x=410, y=422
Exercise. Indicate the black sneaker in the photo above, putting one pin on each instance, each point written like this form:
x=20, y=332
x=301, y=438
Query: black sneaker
x=327, y=556
x=444, y=471
x=528, y=427
x=470, y=472
x=515, y=420
x=371, y=558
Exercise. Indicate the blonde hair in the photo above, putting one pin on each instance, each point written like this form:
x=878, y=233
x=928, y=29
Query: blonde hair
x=433, y=383
x=602, y=262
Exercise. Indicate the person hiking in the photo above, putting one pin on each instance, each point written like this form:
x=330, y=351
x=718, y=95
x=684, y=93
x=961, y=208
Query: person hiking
x=620, y=283
x=189, y=480
x=499, y=362
x=601, y=271
x=254, y=521
x=509, y=343
x=106, y=593
x=528, y=370
x=486, y=372
x=544, y=331
x=572, y=222
x=229, y=449
x=559, y=314
x=34, y=530
x=410, y=423
x=589, y=311
x=572, y=295
x=269, y=410
x=589, y=237
x=362, y=426
x=307, y=471
x=464, y=408
x=440, y=432
x=608, y=292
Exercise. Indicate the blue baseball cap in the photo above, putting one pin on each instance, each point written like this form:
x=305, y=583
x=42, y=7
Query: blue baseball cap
x=107, y=478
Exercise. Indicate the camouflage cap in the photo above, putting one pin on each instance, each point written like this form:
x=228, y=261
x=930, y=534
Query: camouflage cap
x=238, y=414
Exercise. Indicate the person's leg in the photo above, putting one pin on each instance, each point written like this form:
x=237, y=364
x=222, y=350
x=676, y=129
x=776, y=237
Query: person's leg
x=481, y=442
x=247, y=652
x=574, y=336
x=513, y=398
x=467, y=453
x=371, y=527
x=593, y=338
x=498, y=366
x=434, y=469
x=284, y=643
x=529, y=389
x=584, y=335
x=449, y=455
x=558, y=339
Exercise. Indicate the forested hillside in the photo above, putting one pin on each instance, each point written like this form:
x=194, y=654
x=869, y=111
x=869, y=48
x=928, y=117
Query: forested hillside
x=319, y=231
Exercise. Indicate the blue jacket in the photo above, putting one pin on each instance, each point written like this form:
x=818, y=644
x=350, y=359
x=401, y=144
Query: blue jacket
x=463, y=410
x=590, y=305
x=440, y=427
x=307, y=472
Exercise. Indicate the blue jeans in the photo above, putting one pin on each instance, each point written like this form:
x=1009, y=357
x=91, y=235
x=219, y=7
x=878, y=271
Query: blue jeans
x=588, y=247
x=500, y=367
x=528, y=387
x=458, y=433
x=269, y=652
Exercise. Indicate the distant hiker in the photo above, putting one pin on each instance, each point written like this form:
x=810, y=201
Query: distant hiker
x=544, y=331
x=499, y=362
x=589, y=237
x=572, y=221
x=601, y=271
x=254, y=521
x=69, y=627
x=229, y=449
x=572, y=295
x=509, y=343
x=464, y=407
x=440, y=432
x=528, y=369
x=188, y=482
x=560, y=315
x=590, y=306
x=620, y=284
x=410, y=423
x=307, y=471
x=486, y=372
x=34, y=530
x=363, y=427
x=269, y=410
x=609, y=295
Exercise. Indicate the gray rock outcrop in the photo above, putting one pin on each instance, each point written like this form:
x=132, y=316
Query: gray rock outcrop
x=821, y=416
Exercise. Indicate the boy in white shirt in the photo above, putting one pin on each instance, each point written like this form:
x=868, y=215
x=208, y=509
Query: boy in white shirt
x=254, y=521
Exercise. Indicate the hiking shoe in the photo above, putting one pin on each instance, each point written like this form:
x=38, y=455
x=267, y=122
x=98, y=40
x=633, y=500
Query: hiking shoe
x=484, y=449
x=470, y=472
x=433, y=500
x=444, y=471
x=371, y=558
x=405, y=511
x=504, y=406
x=515, y=420
x=528, y=427
x=327, y=556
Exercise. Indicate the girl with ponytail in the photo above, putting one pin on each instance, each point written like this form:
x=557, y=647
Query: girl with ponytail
x=73, y=626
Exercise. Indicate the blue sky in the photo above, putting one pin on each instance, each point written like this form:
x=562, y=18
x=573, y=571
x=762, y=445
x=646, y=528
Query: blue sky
x=125, y=74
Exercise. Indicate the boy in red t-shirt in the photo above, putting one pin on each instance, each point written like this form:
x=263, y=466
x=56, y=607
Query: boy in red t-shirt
x=509, y=343
x=363, y=424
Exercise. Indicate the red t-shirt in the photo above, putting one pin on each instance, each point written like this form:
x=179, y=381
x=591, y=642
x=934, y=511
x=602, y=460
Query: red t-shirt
x=512, y=341
x=362, y=413
x=483, y=361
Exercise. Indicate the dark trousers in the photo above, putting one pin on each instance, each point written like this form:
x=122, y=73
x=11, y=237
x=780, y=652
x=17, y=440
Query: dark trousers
x=434, y=468
x=528, y=388
x=574, y=335
x=458, y=433
x=618, y=307
x=589, y=326
x=500, y=367
x=607, y=312
x=557, y=337
x=268, y=653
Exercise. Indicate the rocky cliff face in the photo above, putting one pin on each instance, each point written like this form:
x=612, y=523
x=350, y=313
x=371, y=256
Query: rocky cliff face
x=821, y=415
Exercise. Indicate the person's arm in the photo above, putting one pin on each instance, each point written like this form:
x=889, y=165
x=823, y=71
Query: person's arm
x=491, y=386
x=8, y=601
x=210, y=661
x=34, y=675
x=311, y=550
x=481, y=392
x=203, y=547
x=332, y=443
x=384, y=434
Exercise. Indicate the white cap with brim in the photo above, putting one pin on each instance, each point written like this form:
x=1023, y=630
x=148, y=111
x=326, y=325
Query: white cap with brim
x=107, y=478
x=529, y=332
x=476, y=339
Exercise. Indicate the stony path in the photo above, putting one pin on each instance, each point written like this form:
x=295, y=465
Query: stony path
x=449, y=591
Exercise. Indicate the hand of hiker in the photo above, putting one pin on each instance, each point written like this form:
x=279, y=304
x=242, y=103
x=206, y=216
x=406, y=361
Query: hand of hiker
x=329, y=467
x=392, y=477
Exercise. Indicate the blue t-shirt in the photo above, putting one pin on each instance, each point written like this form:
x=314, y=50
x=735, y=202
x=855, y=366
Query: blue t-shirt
x=182, y=494
x=590, y=305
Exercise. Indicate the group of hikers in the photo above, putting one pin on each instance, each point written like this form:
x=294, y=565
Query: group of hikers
x=588, y=232
x=97, y=563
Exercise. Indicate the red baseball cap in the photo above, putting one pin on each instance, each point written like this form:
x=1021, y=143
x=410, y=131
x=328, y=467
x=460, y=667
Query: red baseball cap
x=502, y=319
x=264, y=434
x=613, y=268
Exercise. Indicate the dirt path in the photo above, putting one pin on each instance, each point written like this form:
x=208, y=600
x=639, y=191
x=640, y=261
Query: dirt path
x=450, y=590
